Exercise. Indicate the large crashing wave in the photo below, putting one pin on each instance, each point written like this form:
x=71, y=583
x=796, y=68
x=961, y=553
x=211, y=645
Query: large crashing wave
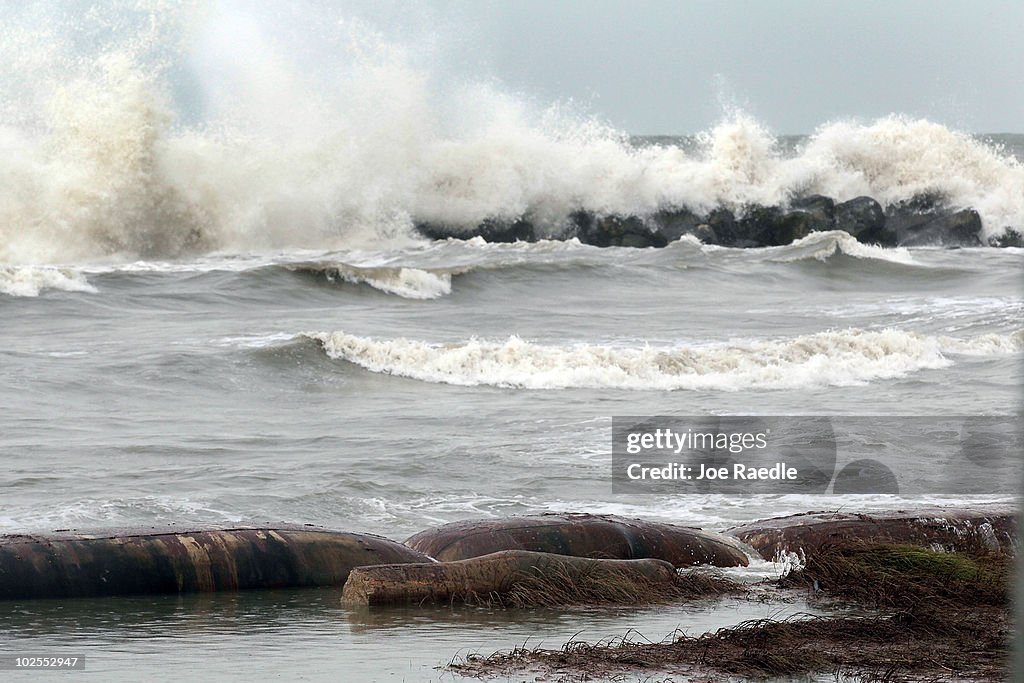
x=146, y=131
x=837, y=358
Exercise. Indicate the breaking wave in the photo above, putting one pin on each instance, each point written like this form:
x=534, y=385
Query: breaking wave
x=157, y=130
x=837, y=358
x=822, y=245
x=408, y=283
x=31, y=280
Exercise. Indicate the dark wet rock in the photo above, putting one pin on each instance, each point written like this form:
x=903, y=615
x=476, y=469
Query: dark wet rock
x=962, y=228
x=615, y=231
x=640, y=241
x=937, y=229
x=438, y=231
x=722, y=222
x=706, y=234
x=816, y=203
x=797, y=224
x=1009, y=238
x=923, y=203
x=772, y=226
x=495, y=230
x=491, y=230
x=926, y=220
x=674, y=223
x=581, y=226
x=751, y=228
x=864, y=218
x=821, y=210
x=755, y=226
x=907, y=224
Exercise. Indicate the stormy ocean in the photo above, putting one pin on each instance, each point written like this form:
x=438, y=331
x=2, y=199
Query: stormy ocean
x=216, y=310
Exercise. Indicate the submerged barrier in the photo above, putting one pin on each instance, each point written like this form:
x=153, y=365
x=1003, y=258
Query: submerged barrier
x=991, y=526
x=580, y=553
x=581, y=535
x=489, y=578
x=65, y=565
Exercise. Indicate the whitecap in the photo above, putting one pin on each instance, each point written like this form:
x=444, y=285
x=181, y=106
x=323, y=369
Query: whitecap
x=31, y=280
x=833, y=358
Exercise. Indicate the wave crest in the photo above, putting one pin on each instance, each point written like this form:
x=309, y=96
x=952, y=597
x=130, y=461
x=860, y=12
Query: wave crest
x=837, y=358
x=31, y=280
x=408, y=283
x=823, y=245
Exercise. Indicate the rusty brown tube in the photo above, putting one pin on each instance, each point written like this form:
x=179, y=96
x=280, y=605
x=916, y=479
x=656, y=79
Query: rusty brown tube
x=494, y=574
x=992, y=526
x=186, y=561
x=581, y=535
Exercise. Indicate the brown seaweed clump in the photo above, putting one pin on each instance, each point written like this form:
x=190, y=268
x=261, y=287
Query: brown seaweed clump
x=923, y=615
x=562, y=589
x=907, y=576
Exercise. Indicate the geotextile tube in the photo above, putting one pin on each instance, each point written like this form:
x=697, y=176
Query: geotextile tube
x=491, y=576
x=65, y=565
x=581, y=535
x=991, y=526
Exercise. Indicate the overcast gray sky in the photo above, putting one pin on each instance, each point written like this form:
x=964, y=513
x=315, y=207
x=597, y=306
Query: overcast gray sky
x=666, y=66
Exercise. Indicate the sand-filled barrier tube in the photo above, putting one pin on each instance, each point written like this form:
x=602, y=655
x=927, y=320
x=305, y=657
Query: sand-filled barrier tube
x=990, y=526
x=179, y=561
x=511, y=577
x=581, y=535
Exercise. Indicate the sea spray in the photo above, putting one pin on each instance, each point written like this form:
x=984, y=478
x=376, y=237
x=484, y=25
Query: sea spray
x=160, y=130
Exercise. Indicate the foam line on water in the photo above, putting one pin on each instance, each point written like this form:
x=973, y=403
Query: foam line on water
x=837, y=358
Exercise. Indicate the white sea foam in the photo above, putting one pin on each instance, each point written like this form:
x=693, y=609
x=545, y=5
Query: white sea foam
x=93, y=513
x=31, y=280
x=257, y=341
x=840, y=358
x=408, y=283
x=102, y=159
x=984, y=345
x=822, y=245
